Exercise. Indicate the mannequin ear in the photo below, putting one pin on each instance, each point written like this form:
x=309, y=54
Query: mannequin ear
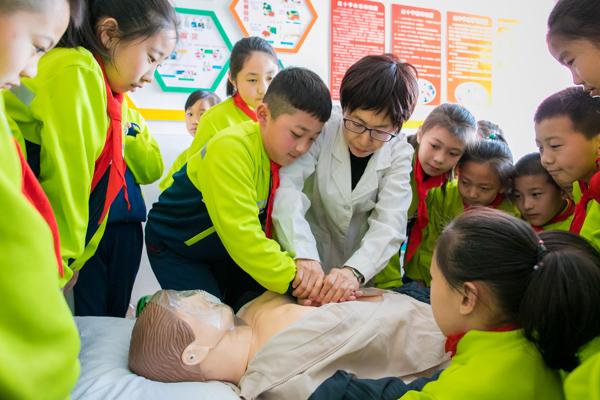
x=194, y=354
x=470, y=297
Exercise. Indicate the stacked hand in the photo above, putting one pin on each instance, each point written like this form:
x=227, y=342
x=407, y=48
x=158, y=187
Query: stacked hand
x=311, y=287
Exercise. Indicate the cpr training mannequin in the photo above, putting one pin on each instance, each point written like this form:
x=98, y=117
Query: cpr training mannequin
x=276, y=347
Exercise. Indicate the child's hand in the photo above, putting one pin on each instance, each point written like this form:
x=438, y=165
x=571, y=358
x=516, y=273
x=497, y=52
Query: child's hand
x=309, y=279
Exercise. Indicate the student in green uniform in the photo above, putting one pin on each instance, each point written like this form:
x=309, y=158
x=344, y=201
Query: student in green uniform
x=541, y=201
x=196, y=106
x=567, y=132
x=39, y=343
x=252, y=66
x=439, y=144
x=515, y=307
x=574, y=40
x=71, y=113
x=105, y=283
x=206, y=230
x=485, y=173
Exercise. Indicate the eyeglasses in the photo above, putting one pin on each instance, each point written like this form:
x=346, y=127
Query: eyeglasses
x=376, y=134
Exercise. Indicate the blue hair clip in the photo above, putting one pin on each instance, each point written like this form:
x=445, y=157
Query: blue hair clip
x=493, y=136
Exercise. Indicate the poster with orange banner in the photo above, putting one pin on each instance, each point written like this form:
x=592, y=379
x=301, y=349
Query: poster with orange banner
x=417, y=39
x=357, y=30
x=469, y=58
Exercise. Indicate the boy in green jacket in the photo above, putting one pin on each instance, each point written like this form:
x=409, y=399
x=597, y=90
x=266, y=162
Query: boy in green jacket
x=211, y=228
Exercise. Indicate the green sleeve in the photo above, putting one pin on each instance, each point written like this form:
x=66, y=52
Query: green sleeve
x=142, y=154
x=227, y=181
x=72, y=108
x=584, y=381
x=591, y=226
x=39, y=342
x=177, y=164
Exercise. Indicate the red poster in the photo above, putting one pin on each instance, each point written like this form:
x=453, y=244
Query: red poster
x=417, y=39
x=357, y=30
x=469, y=58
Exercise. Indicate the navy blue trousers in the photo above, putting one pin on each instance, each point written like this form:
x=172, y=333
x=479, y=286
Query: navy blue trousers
x=214, y=272
x=106, y=280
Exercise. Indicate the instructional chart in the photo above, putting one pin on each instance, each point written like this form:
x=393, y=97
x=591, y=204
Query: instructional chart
x=283, y=23
x=357, y=30
x=201, y=58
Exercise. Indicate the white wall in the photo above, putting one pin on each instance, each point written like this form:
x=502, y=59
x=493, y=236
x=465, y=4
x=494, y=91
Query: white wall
x=524, y=74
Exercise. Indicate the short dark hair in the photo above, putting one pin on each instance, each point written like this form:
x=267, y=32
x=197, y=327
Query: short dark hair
x=489, y=130
x=453, y=117
x=241, y=51
x=383, y=84
x=576, y=104
x=494, y=152
x=575, y=19
x=201, y=95
x=298, y=89
x=137, y=19
x=551, y=291
x=531, y=165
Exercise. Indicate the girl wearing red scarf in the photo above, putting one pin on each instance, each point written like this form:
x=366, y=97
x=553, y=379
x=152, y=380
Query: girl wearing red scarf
x=71, y=114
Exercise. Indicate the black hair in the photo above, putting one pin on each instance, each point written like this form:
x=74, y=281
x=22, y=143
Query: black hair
x=201, y=95
x=241, y=51
x=531, y=165
x=383, y=84
x=548, y=288
x=489, y=130
x=298, y=89
x=453, y=117
x=137, y=19
x=494, y=152
x=576, y=104
x=575, y=19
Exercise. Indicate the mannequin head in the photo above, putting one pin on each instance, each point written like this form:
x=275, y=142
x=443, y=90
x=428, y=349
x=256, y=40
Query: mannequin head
x=174, y=336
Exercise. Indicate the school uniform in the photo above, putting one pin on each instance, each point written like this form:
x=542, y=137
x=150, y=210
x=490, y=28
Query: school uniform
x=584, y=381
x=39, y=342
x=588, y=206
x=493, y=365
x=228, y=113
x=421, y=185
x=561, y=221
x=490, y=365
x=205, y=231
x=443, y=205
x=63, y=114
x=319, y=215
x=105, y=283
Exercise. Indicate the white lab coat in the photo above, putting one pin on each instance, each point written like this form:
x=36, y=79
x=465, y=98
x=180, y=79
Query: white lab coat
x=317, y=216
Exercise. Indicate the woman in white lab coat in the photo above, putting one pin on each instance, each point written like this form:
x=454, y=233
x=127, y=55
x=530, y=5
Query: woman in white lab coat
x=340, y=209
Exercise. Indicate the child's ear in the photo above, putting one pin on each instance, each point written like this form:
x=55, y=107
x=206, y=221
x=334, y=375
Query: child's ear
x=263, y=114
x=107, y=29
x=419, y=135
x=470, y=297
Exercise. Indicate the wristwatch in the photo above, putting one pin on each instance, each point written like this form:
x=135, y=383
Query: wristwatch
x=359, y=277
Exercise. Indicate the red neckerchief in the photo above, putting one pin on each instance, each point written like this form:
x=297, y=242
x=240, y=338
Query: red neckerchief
x=112, y=153
x=560, y=217
x=274, y=185
x=452, y=340
x=494, y=204
x=241, y=104
x=587, y=193
x=32, y=189
x=423, y=184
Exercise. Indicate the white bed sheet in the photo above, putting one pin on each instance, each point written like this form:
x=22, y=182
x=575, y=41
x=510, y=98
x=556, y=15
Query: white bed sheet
x=104, y=372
